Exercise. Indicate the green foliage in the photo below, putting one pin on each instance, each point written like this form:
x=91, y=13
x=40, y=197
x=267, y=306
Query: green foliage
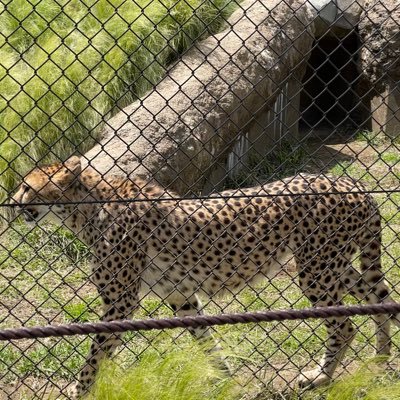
x=283, y=160
x=190, y=374
x=389, y=207
x=65, y=65
x=78, y=311
x=180, y=375
x=347, y=168
x=368, y=383
x=371, y=138
x=59, y=355
x=390, y=158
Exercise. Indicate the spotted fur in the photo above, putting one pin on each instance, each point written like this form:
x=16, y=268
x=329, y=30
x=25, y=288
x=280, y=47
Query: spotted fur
x=178, y=250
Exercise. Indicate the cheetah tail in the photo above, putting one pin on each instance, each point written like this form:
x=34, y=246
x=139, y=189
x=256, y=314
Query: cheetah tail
x=371, y=267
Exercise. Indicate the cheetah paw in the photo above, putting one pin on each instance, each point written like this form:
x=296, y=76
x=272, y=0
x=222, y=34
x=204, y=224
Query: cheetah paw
x=313, y=378
x=74, y=391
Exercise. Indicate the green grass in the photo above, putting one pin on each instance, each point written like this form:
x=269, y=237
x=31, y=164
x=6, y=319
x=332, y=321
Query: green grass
x=356, y=171
x=368, y=383
x=371, y=138
x=390, y=158
x=190, y=374
x=284, y=160
x=382, y=171
x=181, y=375
x=65, y=66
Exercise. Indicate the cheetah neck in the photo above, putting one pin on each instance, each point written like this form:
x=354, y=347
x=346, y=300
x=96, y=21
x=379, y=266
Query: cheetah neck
x=95, y=199
x=119, y=188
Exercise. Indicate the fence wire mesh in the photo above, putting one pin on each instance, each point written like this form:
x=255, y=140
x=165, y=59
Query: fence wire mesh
x=218, y=141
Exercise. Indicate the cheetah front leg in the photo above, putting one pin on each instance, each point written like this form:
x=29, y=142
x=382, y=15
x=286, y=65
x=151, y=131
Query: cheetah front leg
x=191, y=306
x=103, y=345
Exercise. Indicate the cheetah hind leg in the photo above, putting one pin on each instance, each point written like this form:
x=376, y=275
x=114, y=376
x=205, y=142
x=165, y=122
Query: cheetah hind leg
x=373, y=293
x=189, y=307
x=340, y=330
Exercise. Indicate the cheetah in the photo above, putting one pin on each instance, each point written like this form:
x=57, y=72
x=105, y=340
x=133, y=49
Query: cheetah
x=144, y=239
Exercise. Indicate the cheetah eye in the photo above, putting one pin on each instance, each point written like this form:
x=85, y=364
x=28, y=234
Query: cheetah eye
x=25, y=189
x=22, y=188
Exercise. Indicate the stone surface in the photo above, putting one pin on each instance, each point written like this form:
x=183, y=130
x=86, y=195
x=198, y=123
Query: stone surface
x=349, y=12
x=379, y=29
x=337, y=15
x=385, y=111
x=188, y=124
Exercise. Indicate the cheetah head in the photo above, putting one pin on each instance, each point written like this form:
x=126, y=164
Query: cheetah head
x=37, y=197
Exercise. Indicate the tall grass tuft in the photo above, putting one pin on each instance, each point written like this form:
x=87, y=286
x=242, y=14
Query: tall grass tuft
x=189, y=374
x=66, y=64
x=371, y=382
x=179, y=375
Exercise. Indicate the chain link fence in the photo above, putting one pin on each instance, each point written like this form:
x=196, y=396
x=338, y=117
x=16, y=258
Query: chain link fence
x=167, y=103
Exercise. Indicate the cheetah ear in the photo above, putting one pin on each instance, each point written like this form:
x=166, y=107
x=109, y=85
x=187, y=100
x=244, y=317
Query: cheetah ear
x=73, y=166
